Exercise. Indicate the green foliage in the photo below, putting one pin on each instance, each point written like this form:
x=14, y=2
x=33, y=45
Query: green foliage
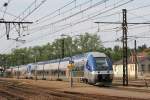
x=141, y=48
x=149, y=53
x=72, y=45
x=116, y=53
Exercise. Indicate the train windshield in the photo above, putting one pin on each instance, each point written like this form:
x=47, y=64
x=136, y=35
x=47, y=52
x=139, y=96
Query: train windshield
x=101, y=64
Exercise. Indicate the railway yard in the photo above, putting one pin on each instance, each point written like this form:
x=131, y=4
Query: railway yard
x=75, y=50
x=23, y=89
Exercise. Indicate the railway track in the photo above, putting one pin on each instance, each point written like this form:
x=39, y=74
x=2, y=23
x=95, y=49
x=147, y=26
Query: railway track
x=14, y=90
x=135, y=83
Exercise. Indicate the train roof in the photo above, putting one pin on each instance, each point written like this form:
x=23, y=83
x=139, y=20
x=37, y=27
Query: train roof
x=75, y=57
x=97, y=54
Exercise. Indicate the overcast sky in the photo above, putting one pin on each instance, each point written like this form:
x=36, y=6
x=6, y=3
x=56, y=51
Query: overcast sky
x=71, y=17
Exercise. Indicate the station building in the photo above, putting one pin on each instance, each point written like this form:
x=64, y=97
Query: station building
x=143, y=68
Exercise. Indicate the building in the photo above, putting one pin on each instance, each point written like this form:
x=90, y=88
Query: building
x=143, y=68
x=118, y=69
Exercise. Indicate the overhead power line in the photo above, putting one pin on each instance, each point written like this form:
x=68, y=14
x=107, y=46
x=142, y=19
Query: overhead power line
x=139, y=36
x=34, y=7
x=8, y=25
x=108, y=10
x=121, y=23
x=55, y=11
x=140, y=7
x=66, y=11
x=30, y=9
x=8, y=47
x=68, y=17
x=10, y=14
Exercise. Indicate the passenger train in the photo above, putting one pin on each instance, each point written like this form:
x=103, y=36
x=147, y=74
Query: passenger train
x=91, y=67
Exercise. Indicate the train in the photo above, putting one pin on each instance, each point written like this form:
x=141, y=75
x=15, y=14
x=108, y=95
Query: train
x=91, y=67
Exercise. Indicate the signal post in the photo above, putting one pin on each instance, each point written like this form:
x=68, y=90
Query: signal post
x=70, y=67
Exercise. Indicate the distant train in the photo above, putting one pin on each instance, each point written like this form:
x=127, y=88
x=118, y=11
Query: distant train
x=91, y=67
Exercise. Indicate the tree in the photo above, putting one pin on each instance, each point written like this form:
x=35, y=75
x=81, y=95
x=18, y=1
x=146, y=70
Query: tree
x=84, y=43
x=90, y=42
x=141, y=48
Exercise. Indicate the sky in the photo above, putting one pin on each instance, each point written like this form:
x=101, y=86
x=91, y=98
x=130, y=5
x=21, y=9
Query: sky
x=52, y=18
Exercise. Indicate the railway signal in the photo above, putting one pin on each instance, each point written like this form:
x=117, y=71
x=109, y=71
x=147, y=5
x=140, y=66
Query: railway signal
x=70, y=67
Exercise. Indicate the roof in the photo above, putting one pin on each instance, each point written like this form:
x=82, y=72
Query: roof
x=131, y=60
x=121, y=62
x=144, y=59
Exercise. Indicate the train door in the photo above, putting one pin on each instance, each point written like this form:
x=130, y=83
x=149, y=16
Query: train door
x=87, y=71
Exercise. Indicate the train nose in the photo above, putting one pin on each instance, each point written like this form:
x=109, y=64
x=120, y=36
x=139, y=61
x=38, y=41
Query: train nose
x=103, y=77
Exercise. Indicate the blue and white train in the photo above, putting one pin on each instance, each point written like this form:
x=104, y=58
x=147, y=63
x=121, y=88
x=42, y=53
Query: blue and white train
x=91, y=67
x=98, y=68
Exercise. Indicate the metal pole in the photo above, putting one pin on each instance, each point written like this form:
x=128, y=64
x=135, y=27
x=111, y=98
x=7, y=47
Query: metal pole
x=125, y=51
x=58, y=69
x=43, y=72
x=35, y=68
x=63, y=49
x=23, y=58
x=18, y=66
x=18, y=73
x=135, y=55
x=71, y=81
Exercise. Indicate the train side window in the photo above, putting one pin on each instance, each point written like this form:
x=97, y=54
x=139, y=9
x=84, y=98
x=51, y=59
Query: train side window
x=55, y=72
x=64, y=73
x=61, y=72
x=82, y=68
x=38, y=72
x=45, y=72
x=41, y=72
x=51, y=72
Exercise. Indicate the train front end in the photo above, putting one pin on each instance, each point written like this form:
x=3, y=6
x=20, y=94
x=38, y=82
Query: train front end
x=98, y=69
